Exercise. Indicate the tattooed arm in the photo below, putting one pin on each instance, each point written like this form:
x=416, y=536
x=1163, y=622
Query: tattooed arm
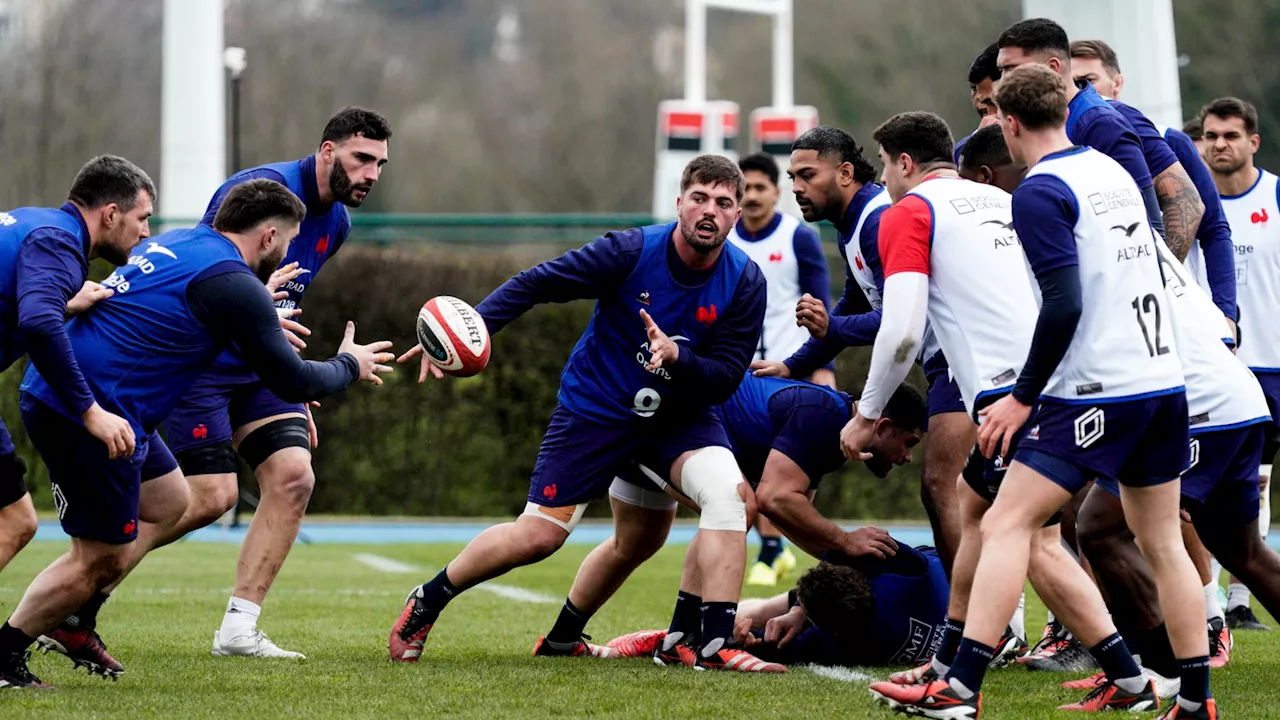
x=1181, y=206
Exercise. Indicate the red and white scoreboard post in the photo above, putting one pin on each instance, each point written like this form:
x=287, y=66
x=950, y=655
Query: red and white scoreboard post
x=686, y=130
x=773, y=130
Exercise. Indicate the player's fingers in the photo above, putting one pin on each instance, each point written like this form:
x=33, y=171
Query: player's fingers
x=771, y=632
x=423, y=372
x=648, y=321
x=379, y=347
x=865, y=456
x=1006, y=438
x=887, y=549
x=294, y=340
x=315, y=403
x=789, y=635
x=350, y=333
x=383, y=357
x=382, y=369
x=437, y=373
x=295, y=327
x=410, y=354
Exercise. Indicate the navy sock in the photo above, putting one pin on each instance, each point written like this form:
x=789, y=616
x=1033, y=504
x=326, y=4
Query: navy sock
x=437, y=593
x=952, y=634
x=1114, y=658
x=87, y=615
x=971, y=663
x=570, y=624
x=717, y=625
x=13, y=640
x=770, y=549
x=1195, y=679
x=687, y=619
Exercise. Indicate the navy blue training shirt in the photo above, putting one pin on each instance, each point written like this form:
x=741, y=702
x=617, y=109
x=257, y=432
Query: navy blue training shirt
x=1093, y=122
x=44, y=261
x=1214, y=234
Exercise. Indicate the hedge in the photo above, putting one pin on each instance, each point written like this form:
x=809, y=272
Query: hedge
x=463, y=447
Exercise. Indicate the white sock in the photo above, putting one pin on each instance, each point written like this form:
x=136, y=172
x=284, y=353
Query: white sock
x=1019, y=623
x=1237, y=596
x=1215, y=571
x=241, y=618
x=1212, y=609
x=1049, y=619
x=1264, y=506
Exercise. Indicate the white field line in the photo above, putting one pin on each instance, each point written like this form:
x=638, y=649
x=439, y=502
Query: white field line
x=839, y=673
x=511, y=592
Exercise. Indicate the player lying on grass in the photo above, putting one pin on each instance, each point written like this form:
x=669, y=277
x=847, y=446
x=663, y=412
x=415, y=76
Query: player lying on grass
x=785, y=435
x=864, y=611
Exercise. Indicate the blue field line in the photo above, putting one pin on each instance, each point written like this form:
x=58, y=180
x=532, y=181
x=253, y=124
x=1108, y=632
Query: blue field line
x=376, y=533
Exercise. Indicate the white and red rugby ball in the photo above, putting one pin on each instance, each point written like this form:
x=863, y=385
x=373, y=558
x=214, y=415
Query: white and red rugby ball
x=454, y=336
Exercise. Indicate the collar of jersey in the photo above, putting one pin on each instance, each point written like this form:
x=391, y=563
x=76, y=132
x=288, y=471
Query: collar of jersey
x=854, y=211
x=71, y=209
x=765, y=231
x=1074, y=149
x=310, y=190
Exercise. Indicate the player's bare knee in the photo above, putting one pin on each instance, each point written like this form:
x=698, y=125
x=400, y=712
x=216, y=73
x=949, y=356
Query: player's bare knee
x=19, y=523
x=999, y=524
x=289, y=479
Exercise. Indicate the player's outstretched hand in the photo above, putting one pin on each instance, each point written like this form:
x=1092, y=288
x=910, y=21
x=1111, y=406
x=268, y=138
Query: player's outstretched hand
x=428, y=367
x=89, y=295
x=373, y=358
x=811, y=315
x=313, y=433
x=293, y=330
x=869, y=541
x=856, y=436
x=114, y=431
x=280, y=278
x=784, y=628
x=770, y=368
x=662, y=349
x=1000, y=422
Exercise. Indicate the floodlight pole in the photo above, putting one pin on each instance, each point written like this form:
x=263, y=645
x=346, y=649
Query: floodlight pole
x=695, y=46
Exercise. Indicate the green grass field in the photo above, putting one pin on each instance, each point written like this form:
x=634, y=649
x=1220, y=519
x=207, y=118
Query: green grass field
x=477, y=663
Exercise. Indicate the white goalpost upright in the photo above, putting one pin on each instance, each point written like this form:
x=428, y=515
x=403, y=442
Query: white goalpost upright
x=695, y=125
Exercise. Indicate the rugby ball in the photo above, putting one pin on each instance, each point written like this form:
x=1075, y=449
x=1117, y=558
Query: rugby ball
x=453, y=336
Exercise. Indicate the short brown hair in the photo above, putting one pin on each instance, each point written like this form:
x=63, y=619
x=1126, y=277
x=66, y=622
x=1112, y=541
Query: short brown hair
x=922, y=136
x=1035, y=95
x=110, y=179
x=1194, y=128
x=1096, y=50
x=713, y=170
x=251, y=203
x=1229, y=107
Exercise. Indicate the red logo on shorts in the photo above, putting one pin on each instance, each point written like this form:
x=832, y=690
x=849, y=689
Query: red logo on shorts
x=549, y=492
x=322, y=245
x=706, y=316
x=129, y=527
x=1259, y=218
x=857, y=260
x=775, y=257
x=200, y=432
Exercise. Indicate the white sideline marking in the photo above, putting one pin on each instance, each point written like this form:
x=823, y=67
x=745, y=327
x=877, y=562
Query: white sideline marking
x=510, y=592
x=386, y=564
x=838, y=673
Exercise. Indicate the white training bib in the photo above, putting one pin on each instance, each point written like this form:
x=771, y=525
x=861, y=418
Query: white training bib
x=858, y=265
x=1254, y=218
x=776, y=256
x=1124, y=346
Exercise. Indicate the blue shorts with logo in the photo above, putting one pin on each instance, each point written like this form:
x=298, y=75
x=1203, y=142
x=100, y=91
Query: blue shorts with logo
x=944, y=394
x=1222, y=483
x=96, y=497
x=1140, y=442
x=579, y=458
x=219, y=401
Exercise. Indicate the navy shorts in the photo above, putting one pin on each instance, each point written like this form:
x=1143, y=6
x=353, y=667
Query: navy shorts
x=579, y=458
x=1139, y=443
x=13, y=485
x=1222, y=483
x=96, y=497
x=944, y=394
x=1270, y=382
x=218, y=402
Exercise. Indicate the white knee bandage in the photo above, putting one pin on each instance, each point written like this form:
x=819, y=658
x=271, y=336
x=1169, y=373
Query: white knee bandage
x=636, y=496
x=710, y=478
x=566, y=517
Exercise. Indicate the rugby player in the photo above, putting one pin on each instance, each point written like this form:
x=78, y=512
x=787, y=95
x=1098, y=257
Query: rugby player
x=179, y=302
x=790, y=257
x=677, y=321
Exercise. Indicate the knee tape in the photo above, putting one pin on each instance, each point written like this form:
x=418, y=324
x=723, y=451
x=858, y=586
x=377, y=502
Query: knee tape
x=566, y=517
x=710, y=478
x=273, y=437
x=217, y=459
x=636, y=496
